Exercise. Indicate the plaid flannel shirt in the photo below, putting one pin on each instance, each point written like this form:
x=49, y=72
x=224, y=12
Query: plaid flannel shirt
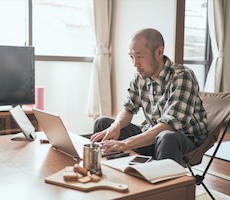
x=172, y=98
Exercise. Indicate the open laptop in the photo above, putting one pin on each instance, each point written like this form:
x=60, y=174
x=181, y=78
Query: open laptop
x=62, y=140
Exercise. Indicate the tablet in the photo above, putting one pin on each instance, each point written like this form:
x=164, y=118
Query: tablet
x=28, y=130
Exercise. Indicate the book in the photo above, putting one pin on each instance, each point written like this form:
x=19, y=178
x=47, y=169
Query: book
x=153, y=171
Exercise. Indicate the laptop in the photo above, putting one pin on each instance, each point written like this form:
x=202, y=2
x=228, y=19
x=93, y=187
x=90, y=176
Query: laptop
x=62, y=140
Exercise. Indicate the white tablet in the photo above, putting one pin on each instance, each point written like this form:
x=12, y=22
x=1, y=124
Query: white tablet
x=28, y=130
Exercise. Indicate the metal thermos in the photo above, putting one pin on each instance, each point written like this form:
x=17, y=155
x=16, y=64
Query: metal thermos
x=92, y=156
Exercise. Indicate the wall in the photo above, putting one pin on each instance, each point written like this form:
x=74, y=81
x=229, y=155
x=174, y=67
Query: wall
x=65, y=92
x=128, y=17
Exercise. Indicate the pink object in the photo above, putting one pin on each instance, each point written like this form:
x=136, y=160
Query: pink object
x=39, y=98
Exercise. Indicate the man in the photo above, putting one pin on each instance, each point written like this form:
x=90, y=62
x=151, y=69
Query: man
x=176, y=120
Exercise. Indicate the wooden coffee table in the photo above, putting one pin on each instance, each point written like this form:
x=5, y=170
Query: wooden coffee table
x=24, y=166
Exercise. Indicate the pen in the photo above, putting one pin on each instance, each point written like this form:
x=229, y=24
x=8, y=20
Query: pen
x=44, y=141
x=117, y=156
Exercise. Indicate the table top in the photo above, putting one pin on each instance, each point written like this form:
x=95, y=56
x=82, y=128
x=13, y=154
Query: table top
x=24, y=166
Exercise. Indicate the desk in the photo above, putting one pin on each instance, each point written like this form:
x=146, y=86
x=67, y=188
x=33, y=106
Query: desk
x=24, y=166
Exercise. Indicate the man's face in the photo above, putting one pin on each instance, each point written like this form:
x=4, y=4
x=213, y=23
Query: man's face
x=143, y=59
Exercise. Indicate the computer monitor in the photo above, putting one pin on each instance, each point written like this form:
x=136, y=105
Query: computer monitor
x=16, y=75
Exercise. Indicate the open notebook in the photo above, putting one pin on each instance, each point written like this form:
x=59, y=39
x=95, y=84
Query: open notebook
x=154, y=171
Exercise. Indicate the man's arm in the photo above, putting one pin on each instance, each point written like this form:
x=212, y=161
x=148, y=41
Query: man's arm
x=146, y=138
x=140, y=140
x=122, y=120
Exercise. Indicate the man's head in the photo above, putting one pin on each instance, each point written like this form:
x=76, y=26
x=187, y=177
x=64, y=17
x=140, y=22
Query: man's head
x=146, y=48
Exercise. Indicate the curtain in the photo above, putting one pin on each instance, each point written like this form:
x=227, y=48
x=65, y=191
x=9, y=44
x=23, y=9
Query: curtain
x=99, y=97
x=216, y=29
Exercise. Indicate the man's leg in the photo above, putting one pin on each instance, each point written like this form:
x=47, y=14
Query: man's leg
x=102, y=123
x=171, y=144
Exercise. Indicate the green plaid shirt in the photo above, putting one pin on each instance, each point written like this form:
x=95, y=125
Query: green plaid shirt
x=172, y=98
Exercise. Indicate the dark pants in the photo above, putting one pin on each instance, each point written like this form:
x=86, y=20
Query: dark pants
x=168, y=144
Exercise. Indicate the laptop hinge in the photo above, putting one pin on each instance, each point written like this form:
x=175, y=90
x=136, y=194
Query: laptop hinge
x=74, y=157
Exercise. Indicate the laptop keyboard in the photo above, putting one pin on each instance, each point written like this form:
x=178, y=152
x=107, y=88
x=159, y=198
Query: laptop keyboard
x=79, y=147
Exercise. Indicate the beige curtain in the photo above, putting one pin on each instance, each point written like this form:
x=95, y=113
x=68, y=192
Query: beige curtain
x=216, y=29
x=99, y=98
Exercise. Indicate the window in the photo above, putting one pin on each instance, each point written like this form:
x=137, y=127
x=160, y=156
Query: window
x=53, y=28
x=13, y=20
x=61, y=28
x=197, y=48
x=58, y=29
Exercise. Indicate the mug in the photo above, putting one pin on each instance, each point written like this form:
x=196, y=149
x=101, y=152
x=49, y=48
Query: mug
x=92, y=157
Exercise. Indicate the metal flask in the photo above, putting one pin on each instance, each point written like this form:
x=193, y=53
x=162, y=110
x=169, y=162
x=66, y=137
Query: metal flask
x=92, y=157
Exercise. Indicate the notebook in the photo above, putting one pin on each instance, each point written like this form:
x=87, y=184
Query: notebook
x=62, y=140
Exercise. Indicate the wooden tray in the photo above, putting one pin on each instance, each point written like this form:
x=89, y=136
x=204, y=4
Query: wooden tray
x=57, y=179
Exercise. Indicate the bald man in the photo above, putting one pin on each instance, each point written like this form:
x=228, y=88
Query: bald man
x=176, y=121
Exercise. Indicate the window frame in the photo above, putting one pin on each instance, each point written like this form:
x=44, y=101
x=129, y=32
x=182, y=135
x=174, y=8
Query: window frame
x=51, y=58
x=179, y=44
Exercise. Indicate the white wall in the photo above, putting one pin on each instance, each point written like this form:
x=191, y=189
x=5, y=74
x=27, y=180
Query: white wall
x=65, y=92
x=129, y=16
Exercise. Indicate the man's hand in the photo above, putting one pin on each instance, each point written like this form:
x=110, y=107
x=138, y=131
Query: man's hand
x=113, y=145
x=123, y=119
x=112, y=133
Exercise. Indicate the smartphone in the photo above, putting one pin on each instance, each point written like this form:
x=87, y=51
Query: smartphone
x=140, y=160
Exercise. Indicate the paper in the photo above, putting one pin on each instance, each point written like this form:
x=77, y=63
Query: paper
x=154, y=171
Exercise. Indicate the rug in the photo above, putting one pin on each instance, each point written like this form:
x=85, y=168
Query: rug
x=223, y=151
x=201, y=194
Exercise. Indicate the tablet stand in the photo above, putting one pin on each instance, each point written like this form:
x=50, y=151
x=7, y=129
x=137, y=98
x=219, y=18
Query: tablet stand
x=21, y=136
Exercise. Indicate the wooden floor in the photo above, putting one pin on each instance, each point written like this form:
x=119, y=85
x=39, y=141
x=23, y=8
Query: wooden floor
x=219, y=166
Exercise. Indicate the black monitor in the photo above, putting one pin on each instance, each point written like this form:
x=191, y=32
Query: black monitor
x=16, y=75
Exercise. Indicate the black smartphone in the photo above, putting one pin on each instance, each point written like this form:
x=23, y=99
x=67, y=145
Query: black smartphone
x=117, y=156
x=140, y=160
